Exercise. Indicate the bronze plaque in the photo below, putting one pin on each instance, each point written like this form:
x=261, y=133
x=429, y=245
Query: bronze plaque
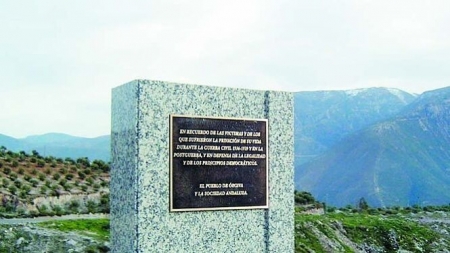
x=218, y=163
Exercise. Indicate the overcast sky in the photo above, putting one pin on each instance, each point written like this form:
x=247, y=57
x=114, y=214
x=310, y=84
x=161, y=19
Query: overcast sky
x=59, y=60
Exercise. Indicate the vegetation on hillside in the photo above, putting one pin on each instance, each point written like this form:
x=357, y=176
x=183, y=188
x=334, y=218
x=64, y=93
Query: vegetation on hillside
x=360, y=232
x=361, y=228
x=24, y=178
x=56, y=236
x=27, y=178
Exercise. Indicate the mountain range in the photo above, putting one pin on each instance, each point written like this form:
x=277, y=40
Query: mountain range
x=402, y=158
x=385, y=145
x=61, y=145
x=322, y=118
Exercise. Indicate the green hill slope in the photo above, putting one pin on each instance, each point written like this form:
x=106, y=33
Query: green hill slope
x=31, y=185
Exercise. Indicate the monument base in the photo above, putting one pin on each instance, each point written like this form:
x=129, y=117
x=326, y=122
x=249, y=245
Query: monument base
x=141, y=216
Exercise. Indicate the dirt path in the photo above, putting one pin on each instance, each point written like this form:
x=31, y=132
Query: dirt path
x=52, y=218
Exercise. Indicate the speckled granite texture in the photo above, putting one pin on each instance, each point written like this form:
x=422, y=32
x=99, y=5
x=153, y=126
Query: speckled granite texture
x=140, y=217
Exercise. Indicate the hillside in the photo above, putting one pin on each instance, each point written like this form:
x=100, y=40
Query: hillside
x=323, y=118
x=61, y=145
x=362, y=232
x=401, y=161
x=32, y=185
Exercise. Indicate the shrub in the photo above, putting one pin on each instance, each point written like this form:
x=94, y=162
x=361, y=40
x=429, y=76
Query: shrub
x=41, y=163
x=67, y=187
x=91, y=206
x=303, y=198
x=6, y=170
x=15, y=164
x=101, y=165
x=49, y=159
x=58, y=210
x=73, y=206
x=84, y=161
x=12, y=189
x=41, y=177
x=34, y=182
x=104, y=203
x=43, y=210
x=94, y=166
x=96, y=187
x=55, y=192
x=27, y=178
x=44, y=190
x=106, y=168
x=81, y=175
x=56, y=176
x=23, y=194
x=34, y=172
x=26, y=188
x=5, y=182
x=69, y=176
x=35, y=153
x=13, y=176
x=18, y=183
x=69, y=160
x=62, y=182
x=21, y=212
x=90, y=181
x=34, y=213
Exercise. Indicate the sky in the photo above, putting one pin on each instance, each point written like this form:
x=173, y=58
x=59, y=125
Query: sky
x=59, y=60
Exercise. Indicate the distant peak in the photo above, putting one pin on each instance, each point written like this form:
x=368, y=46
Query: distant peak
x=355, y=92
x=399, y=93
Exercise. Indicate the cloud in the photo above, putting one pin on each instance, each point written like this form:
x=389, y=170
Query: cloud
x=60, y=60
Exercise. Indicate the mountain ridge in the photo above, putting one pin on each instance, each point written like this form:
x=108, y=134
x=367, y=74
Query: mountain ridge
x=61, y=145
x=322, y=118
x=348, y=145
x=402, y=161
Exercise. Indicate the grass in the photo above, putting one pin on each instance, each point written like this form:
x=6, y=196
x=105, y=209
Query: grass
x=97, y=228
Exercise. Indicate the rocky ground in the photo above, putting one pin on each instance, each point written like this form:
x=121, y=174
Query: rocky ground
x=24, y=235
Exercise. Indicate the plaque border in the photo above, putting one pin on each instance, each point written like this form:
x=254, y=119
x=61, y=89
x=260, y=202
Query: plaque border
x=172, y=209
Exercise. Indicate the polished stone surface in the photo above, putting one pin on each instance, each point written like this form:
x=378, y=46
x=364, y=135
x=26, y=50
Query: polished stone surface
x=140, y=217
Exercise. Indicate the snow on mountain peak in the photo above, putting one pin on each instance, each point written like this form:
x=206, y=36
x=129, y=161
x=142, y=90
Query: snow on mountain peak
x=398, y=93
x=354, y=92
